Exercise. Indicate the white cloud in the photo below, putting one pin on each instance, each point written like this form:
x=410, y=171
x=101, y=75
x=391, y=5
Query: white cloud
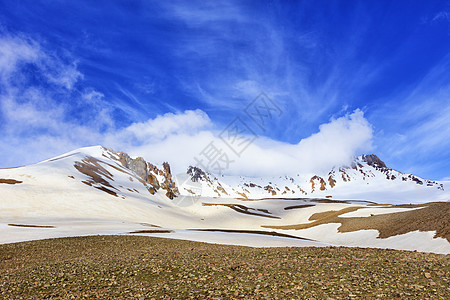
x=160, y=128
x=336, y=143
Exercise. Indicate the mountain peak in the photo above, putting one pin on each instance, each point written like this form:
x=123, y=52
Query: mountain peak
x=374, y=161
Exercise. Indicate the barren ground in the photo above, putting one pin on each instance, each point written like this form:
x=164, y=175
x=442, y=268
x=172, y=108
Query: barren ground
x=144, y=268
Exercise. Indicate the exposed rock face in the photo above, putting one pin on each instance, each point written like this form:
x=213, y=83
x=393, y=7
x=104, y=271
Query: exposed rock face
x=242, y=194
x=302, y=191
x=196, y=174
x=169, y=184
x=151, y=178
x=154, y=169
x=270, y=189
x=320, y=180
x=331, y=181
x=138, y=165
x=344, y=175
x=374, y=161
x=148, y=173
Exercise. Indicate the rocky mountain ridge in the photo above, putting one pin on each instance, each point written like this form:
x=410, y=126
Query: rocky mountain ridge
x=366, y=170
x=366, y=178
x=153, y=176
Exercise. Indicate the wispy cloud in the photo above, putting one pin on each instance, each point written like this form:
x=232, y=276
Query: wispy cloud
x=199, y=13
x=419, y=122
x=41, y=112
x=233, y=52
x=17, y=51
x=33, y=118
x=442, y=16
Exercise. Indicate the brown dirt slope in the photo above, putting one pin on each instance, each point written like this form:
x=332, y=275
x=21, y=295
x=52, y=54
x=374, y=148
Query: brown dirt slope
x=432, y=217
x=92, y=168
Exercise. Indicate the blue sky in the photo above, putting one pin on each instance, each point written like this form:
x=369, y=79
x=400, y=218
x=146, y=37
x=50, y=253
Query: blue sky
x=82, y=73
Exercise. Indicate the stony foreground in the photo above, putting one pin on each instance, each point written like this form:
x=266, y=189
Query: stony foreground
x=145, y=268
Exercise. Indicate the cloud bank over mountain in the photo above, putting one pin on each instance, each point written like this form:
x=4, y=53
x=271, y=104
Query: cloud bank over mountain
x=336, y=143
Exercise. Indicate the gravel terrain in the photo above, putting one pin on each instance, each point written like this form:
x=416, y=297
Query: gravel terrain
x=137, y=267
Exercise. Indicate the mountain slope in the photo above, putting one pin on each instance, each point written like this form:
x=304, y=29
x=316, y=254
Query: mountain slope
x=99, y=191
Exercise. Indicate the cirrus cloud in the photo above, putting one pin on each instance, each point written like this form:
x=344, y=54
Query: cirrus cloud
x=38, y=122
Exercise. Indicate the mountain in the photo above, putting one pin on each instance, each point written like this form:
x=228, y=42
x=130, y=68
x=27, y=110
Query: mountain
x=367, y=178
x=96, y=190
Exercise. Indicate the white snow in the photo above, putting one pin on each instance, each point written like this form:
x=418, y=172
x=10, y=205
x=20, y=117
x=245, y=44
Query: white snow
x=420, y=241
x=52, y=193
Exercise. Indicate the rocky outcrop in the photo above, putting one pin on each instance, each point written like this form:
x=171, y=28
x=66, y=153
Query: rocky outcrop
x=344, y=175
x=169, y=184
x=222, y=190
x=252, y=185
x=331, y=181
x=151, y=178
x=197, y=174
x=320, y=181
x=270, y=189
x=374, y=161
x=154, y=169
x=148, y=173
x=138, y=165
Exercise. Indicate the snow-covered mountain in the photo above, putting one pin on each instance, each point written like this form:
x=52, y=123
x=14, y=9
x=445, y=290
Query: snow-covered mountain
x=367, y=178
x=100, y=191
